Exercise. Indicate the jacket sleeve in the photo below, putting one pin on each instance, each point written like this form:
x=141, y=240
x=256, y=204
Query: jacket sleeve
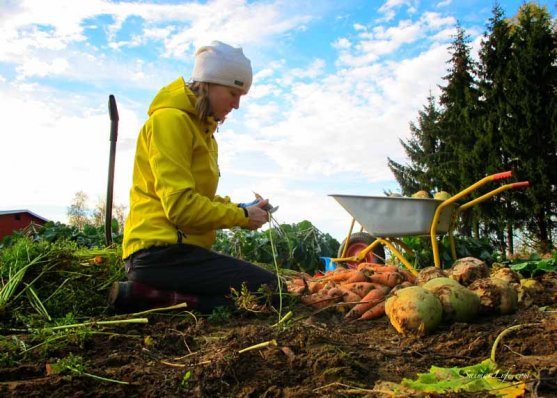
x=170, y=156
x=222, y=199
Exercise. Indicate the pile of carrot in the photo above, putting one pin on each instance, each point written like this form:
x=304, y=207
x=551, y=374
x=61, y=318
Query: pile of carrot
x=359, y=292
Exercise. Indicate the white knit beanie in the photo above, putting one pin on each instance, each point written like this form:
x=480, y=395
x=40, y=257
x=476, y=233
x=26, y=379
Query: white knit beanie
x=222, y=64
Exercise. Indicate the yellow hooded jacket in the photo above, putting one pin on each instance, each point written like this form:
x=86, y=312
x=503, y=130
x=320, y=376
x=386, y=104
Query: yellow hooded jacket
x=175, y=177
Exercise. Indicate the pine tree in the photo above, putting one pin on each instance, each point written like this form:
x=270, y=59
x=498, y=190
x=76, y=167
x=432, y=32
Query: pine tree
x=531, y=138
x=495, y=116
x=493, y=81
x=422, y=150
x=459, y=98
x=443, y=139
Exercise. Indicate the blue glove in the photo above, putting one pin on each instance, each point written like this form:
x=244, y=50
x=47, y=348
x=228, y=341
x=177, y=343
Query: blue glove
x=244, y=205
x=268, y=207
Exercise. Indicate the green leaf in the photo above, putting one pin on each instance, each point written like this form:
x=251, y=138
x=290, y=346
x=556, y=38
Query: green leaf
x=475, y=378
x=524, y=266
x=547, y=265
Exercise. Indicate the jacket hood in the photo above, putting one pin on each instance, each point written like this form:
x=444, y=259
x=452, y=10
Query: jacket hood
x=175, y=95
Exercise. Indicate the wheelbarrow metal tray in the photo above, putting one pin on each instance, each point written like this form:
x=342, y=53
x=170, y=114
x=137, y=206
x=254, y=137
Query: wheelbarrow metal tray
x=384, y=216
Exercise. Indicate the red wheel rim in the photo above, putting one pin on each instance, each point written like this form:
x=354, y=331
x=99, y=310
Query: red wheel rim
x=354, y=249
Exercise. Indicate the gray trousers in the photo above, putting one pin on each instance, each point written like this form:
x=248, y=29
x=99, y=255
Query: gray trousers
x=192, y=269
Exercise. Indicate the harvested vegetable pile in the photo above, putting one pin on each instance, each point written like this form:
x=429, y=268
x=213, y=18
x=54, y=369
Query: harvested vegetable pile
x=359, y=292
x=417, y=304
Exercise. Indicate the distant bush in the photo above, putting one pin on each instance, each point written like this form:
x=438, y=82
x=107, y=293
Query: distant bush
x=297, y=246
x=89, y=236
x=465, y=247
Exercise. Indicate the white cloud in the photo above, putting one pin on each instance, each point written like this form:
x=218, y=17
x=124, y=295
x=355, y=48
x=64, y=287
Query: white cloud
x=342, y=44
x=345, y=123
x=236, y=19
x=359, y=27
x=444, y=3
x=312, y=71
x=36, y=67
x=257, y=114
x=434, y=20
x=35, y=35
x=382, y=40
x=389, y=8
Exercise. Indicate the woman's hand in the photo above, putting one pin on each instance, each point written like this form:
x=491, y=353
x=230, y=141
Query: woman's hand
x=257, y=216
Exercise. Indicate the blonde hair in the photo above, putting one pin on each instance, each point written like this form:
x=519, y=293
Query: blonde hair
x=202, y=104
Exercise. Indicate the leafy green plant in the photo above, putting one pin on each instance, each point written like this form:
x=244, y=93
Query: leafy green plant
x=186, y=379
x=219, y=315
x=256, y=302
x=14, y=265
x=465, y=247
x=9, y=347
x=46, y=339
x=535, y=265
x=298, y=246
x=483, y=377
x=41, y=280
x=89, y=236
x=75, y=366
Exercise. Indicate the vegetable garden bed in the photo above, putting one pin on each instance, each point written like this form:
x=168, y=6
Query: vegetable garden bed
x=307, y=353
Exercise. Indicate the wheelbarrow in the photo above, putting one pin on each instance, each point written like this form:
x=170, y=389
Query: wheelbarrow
x=387, y=219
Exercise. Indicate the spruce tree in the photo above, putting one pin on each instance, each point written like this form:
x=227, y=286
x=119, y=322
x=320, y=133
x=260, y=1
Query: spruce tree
x=495, y=116
x=498, y=215
x=459, y=98
x=422, y=150
x=442, y=141
x=531, y=137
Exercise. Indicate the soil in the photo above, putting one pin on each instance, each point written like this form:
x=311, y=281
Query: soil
x=317, y=354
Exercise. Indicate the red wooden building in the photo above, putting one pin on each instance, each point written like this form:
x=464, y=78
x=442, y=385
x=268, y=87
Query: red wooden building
x=14, y=220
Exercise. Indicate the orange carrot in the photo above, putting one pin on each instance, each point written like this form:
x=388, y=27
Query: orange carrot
x=327, y=286
x=312, y=298
x=374, y=312
x=297, y=290
x=357, y=276
x=320, y=300
x=348, y=296
x=338, y=275
x=369, y=300
x=314, y=287
x=297, y=281
x=349, y=300
x=409, y=276
x=390, y=279
x=378, y=267
x=335, y=292
x=360, y=288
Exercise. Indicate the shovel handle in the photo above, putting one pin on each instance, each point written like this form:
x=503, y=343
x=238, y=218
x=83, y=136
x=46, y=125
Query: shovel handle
x=113, y=113
x=114, y=118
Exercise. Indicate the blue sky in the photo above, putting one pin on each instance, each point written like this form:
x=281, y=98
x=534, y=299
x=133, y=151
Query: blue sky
x=336, y=84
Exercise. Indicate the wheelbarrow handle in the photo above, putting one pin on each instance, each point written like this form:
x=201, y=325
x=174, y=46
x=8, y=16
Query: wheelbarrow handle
x=433, y=230
x=500, y=176
x=522, y=184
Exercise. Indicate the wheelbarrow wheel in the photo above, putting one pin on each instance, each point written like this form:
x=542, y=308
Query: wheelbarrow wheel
x=356, y=243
